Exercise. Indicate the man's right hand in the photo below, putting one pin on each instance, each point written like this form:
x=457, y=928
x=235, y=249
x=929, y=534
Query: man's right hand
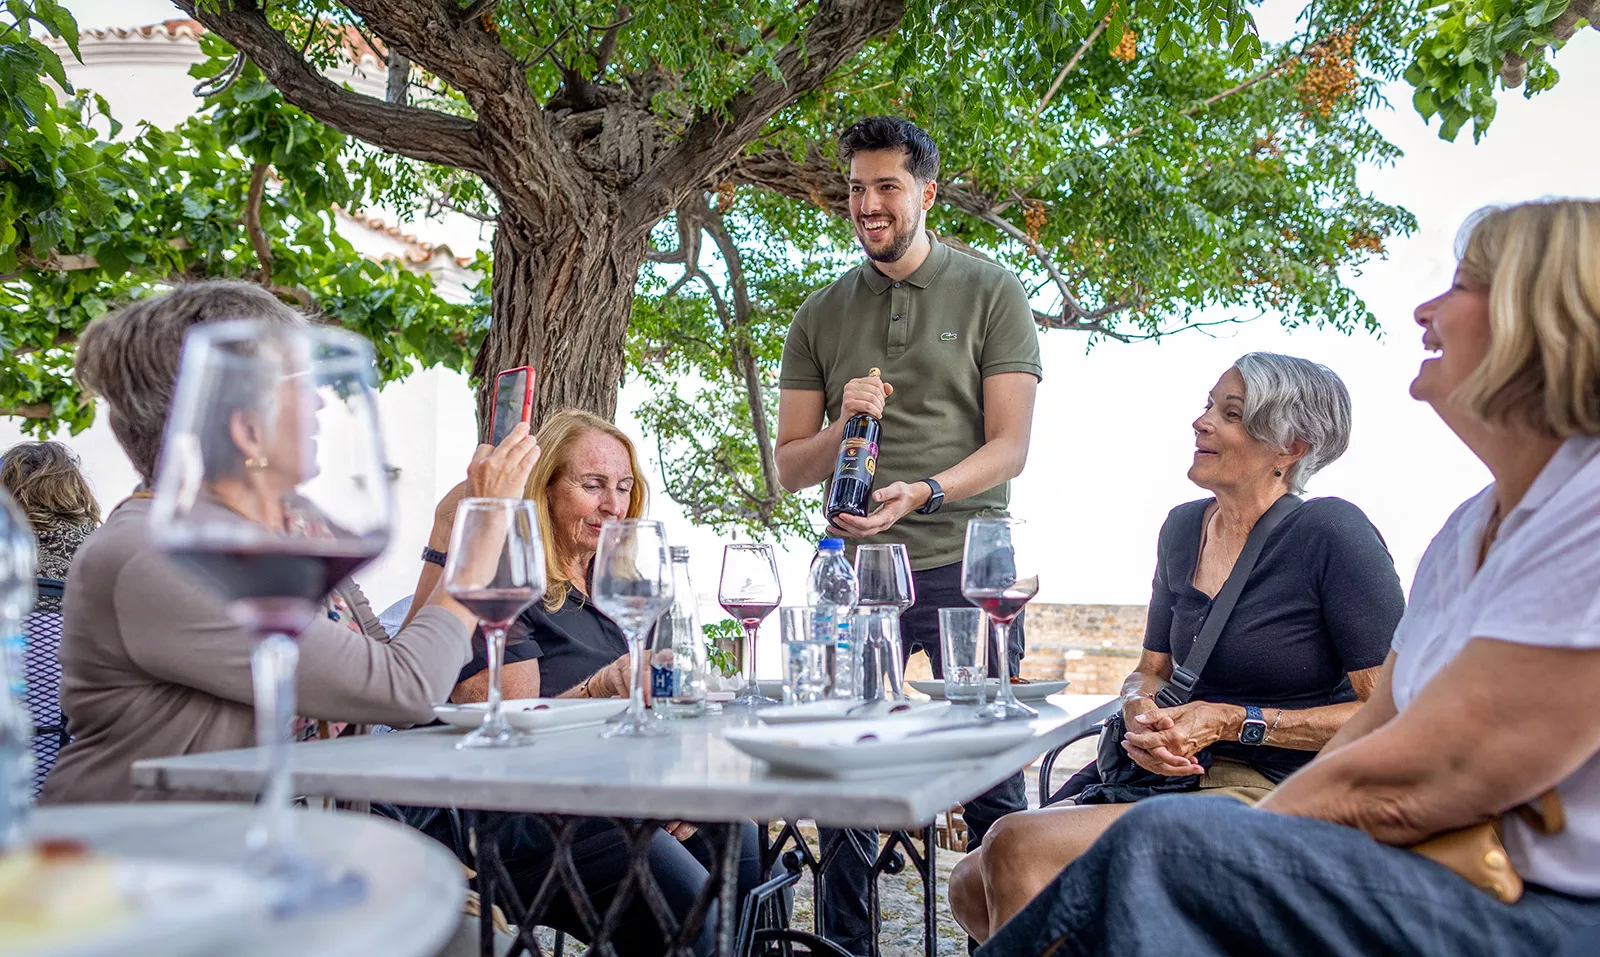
x=865, y=395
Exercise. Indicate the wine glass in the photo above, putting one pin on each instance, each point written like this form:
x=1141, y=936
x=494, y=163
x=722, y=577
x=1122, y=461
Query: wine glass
x=883, y=573
x=749, y=591
x=271, y=489
x=633, y=586
x=998, y=577
x=495, y=569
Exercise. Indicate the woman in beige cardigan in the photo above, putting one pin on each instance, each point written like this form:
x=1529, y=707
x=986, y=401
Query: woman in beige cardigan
x=151, y=664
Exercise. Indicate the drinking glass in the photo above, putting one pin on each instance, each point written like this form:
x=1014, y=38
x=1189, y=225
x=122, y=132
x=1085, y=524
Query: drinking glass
x=633, y=586
x=272, y=489
x=749, y=591
x=1000, y=578
x=964, y=652
x=808, y=653
x=877, y=631
x=884, y=575
x=495, y=569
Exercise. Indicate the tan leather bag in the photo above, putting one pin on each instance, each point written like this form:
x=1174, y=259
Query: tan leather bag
x=1478, y=854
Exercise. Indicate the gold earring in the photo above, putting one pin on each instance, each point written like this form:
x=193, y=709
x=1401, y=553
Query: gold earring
x=260, y=463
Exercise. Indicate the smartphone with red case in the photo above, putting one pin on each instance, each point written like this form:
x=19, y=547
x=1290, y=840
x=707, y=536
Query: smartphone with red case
x=513, y=402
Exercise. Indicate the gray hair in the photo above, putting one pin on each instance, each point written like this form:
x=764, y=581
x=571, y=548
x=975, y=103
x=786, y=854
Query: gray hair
x=1288, y=398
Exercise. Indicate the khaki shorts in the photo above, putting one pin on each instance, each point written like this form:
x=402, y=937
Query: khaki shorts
x=1236, y=780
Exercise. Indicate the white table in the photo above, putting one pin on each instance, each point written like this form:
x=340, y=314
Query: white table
x=414, y=887
x=692, y=775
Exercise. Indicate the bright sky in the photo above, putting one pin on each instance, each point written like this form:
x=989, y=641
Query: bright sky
x=1112, y=439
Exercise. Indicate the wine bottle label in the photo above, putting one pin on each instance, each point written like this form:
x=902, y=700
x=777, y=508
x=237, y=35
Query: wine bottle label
x=858, y=458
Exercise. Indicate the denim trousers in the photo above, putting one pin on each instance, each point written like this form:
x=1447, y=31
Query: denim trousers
x=846, y=920
x=1197, y=875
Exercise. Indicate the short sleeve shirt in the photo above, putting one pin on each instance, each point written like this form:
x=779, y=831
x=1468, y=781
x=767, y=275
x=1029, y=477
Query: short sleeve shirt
x=1322, y=601
x=1539, y=585
x=571, y=643
x=936, y=336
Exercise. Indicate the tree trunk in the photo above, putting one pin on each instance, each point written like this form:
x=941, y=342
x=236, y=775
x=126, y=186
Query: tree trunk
x=563, y=295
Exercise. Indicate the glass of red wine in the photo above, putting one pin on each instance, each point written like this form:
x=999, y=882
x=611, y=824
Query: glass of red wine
x=999, y=577
x=633, y=586
x=749, y=592
x=271, y=490
x=496, y=569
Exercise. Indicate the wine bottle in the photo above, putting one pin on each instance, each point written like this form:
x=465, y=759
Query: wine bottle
x=851, y=490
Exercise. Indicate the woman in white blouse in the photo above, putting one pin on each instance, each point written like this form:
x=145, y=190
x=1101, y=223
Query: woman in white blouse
x=1485, y=702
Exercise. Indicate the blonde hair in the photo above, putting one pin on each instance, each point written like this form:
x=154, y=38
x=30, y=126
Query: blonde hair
x=557, y=438
x=1541, y=263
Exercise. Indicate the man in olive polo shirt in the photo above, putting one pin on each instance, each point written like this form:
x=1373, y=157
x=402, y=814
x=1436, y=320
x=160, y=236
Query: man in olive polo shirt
x=955, y=339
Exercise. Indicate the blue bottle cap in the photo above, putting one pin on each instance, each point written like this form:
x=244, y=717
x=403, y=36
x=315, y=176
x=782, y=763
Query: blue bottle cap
x=831, y=545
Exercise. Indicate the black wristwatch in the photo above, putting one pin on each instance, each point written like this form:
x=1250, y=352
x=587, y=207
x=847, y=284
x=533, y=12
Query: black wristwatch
x=935, y=501
x=1254, y=729
x=433, y=555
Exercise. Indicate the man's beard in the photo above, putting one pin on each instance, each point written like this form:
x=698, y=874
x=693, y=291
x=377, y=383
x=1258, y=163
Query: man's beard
x=899, y=242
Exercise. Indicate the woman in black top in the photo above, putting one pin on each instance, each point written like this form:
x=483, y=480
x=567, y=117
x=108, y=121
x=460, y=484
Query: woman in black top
x=564, y=647
x=1300, y=652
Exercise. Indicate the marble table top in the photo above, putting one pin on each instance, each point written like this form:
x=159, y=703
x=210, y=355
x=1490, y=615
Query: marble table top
x=414, y=886
x=692, y=774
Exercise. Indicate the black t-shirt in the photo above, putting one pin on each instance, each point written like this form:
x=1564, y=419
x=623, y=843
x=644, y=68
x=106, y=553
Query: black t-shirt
x=1322, y=601
x=571, y=643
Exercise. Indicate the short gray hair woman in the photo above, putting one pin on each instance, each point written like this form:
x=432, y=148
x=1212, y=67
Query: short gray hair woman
x=1300, y=652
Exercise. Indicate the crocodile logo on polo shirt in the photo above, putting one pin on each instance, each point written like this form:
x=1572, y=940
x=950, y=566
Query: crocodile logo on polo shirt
x=948, y=336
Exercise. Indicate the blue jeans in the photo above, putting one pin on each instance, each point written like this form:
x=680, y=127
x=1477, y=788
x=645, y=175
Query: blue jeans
x=1197, y=875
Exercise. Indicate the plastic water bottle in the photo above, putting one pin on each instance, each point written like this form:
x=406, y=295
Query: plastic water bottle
x=16, y=724
x=832, y=589
x=678, y=681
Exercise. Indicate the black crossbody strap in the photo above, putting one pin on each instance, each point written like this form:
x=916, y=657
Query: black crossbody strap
x=1184, y=677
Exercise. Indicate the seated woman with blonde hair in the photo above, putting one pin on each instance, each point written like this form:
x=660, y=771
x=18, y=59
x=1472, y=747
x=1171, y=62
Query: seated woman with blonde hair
x=1480, y=707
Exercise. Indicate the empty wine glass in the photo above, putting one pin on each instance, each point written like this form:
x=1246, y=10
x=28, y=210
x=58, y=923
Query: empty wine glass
x=999, y=577
x=271, y=489
x=749, y=591
x=633, y=586
x=496, y=569
x=884, y=575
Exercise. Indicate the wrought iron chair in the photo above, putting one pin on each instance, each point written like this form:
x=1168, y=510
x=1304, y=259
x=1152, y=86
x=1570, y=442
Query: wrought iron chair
x=1048, y=763
x=42, y=667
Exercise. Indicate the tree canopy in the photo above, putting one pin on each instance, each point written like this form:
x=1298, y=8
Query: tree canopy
x=663, y=189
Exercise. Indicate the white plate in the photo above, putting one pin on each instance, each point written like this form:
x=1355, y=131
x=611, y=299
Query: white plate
x=534, y=714
x=838, y=711
x=175, y=909
x=1032, y=691
x=832, y=749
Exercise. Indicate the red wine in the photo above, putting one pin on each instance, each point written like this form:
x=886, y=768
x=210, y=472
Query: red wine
x=274, y=584
x=1004, y=604
x=494, y=606
x=749, y=614
x=850, y=492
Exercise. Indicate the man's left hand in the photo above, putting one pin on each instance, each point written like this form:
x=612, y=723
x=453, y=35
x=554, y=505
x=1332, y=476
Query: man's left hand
x=894, y=503
x=1178, y=734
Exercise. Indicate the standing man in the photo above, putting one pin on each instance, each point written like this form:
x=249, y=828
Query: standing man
x=955, y=339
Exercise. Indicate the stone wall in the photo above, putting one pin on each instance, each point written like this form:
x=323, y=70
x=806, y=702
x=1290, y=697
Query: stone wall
x=1092, y=646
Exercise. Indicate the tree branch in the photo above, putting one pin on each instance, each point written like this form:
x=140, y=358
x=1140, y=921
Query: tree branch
x=425, y=135
x=399, y=77
x=1209, y=102
x=608, y=42
x=1072, y=64
x=37, y=410
x=838, y=31
x=252, y=221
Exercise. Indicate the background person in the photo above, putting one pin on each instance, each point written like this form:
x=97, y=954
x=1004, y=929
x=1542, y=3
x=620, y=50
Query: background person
x=1299, y=653
x=47, y=482
x=1462, y=724
x=954, y=336
x=152, y=665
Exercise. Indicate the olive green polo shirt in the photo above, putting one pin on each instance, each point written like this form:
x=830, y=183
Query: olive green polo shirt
x=936, y=335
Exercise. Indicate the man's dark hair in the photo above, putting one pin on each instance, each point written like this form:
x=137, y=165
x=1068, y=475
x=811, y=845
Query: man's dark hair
x=893, y=133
